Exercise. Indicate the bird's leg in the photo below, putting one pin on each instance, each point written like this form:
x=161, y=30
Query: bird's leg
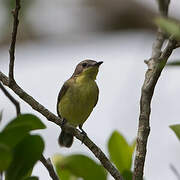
x=64, y=121
x=83, y=133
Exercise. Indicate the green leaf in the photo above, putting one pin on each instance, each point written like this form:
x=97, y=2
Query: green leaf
x=62, y=173
x=25, y=155
x=32, y=178
x=27, y=121
x=127, y=175
x=5, y=157
x=65, y=175
x=174, y=63
x=18, y=128
x=176, y=129
x=120, y=152
x=170, y=26
x=82, y=166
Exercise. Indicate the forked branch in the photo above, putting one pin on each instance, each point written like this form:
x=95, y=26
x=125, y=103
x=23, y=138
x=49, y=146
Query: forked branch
x=11, y=83
x=155, y=66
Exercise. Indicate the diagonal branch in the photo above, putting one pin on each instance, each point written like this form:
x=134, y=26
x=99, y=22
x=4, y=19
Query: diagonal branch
x=47, y=163
x=53, y=118
x=155, y=66
x=15, y=13
x=10, y=82
x=11, y=98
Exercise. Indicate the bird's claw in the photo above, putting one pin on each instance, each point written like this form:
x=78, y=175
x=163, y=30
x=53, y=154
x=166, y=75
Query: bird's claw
x=64, y=121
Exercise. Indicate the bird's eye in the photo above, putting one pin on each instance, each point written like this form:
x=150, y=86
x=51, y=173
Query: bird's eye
x=84, y=64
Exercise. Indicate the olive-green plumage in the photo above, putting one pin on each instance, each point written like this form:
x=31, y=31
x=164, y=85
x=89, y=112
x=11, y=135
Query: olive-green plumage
x=78, y=97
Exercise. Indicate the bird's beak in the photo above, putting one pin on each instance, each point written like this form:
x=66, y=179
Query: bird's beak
x=98, y=63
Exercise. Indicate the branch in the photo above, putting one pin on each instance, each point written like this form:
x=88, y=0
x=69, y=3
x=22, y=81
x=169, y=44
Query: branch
x=47, y=163
x=10, y=82
x=13, y=41
x=155, y=66
x=11, y=98
x=53, y=118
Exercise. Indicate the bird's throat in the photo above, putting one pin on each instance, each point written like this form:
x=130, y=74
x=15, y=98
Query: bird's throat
x=87, y=76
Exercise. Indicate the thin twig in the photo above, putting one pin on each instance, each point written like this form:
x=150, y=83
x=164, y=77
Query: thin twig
x=11, y=80
x=16, y=103
x=174, y=170
x=15, y=13
x=47, y=163
x=155, y=66
x=11, y=98
x=55, y=119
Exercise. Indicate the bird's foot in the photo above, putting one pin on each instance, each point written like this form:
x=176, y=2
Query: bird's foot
x=64, y=121
x=83, y=133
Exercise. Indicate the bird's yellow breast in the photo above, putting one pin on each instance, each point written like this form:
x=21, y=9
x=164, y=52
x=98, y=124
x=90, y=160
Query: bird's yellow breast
x=79, y=101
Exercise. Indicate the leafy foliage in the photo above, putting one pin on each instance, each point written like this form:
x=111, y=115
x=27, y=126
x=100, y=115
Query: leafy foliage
x=5, y=156
x=25, y=154
x=78, y=165
x=31, y=178
x=170, y=26
x=19, y=151
x=121, y=153
x=18, y=128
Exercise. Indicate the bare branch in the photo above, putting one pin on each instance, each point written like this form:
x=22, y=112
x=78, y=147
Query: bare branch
x=47, y=163
x=155, y=66
x=172, y=44
x=53, y=118
x=13, y=41
x=11, y=98
x=157, y=45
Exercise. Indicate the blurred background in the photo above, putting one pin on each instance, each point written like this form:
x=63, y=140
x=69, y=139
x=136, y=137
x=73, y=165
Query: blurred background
x=54, y=36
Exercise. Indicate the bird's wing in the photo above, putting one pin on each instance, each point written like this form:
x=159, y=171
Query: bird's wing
x=62, y=93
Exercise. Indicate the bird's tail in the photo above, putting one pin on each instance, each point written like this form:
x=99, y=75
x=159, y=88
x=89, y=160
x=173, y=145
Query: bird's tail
x=65, y=139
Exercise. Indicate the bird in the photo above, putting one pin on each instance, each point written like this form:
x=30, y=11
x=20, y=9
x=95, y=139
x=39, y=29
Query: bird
x=77, y=98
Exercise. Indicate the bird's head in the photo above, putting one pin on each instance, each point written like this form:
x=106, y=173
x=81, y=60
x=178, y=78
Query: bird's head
x=87, y=68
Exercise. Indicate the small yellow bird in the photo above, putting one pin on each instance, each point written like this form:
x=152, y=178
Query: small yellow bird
x=78, y=97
